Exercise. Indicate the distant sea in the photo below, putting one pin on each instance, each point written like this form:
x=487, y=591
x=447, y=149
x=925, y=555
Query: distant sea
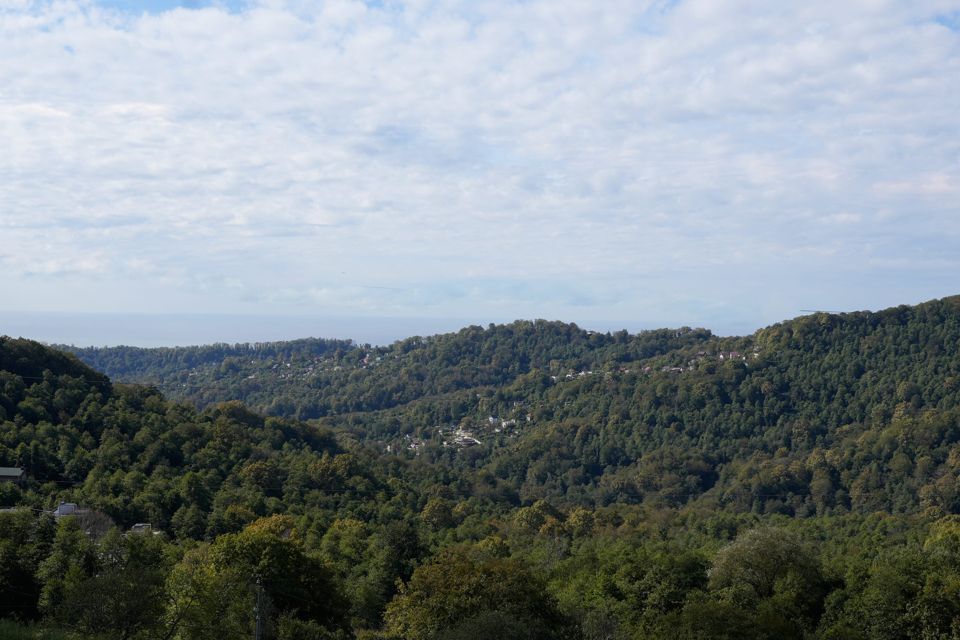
x=178, y=330
x=156, y=330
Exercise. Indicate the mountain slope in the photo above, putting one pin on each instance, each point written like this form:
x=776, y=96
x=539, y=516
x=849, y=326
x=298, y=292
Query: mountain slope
x=312, y=378
x=819, y=414
x=797, y=483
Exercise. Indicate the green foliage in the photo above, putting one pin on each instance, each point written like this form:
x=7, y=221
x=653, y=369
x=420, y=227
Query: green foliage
x=72, y=561
x=206, y=601
x=25, y=542
x=292, y=628
x=771, y=572
x=463, y=595
x=312, y=378
x=530, y=480
x=270, y=552
x=124, y=595
x=11, y=630
x=822, y=414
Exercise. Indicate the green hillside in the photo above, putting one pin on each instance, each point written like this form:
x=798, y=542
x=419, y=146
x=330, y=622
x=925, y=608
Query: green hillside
x=531, y=480
x=312, y=378
x=825, y=412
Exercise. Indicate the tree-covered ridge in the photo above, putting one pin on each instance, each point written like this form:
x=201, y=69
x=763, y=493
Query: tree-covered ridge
x=118, y=362
x=825, y=412
x=802, y=486
x=333, y=539
x=137, y=457
x=312, y=378
x=126, y=455
x=851, y=412
x=30, y=360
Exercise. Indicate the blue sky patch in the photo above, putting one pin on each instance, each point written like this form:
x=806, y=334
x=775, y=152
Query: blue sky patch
x=949, y=20
x=160, y=6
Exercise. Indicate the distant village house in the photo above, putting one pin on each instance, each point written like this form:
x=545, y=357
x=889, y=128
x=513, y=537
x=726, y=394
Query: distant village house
x=13, y=474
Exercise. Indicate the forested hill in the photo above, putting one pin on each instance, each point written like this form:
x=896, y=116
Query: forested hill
x=311, y=378
x=154, y=365
x=826, y=412
x=528, y=481
x=858, y=411
x=125, y=455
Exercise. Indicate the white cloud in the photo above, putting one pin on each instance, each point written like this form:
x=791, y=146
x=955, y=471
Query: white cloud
x=934, y=184
x=474, y=155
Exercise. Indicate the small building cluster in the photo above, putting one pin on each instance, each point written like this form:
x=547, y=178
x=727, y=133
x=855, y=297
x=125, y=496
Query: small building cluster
x=458, y=437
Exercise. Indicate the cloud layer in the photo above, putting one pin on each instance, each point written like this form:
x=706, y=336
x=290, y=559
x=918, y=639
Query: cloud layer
x=706, y=162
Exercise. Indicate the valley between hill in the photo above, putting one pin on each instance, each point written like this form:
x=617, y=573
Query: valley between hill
x=529, y=480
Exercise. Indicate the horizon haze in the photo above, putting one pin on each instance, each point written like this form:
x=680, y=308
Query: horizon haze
x=693, y=162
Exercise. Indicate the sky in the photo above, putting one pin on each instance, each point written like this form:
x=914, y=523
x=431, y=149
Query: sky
x=716, y=163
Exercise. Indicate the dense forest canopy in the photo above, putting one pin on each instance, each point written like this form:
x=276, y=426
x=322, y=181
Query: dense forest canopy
x=312, y=378
x=767, y=422
x=530, y=480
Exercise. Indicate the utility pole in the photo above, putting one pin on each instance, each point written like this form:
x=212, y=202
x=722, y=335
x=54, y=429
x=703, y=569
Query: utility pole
x=257, y=608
